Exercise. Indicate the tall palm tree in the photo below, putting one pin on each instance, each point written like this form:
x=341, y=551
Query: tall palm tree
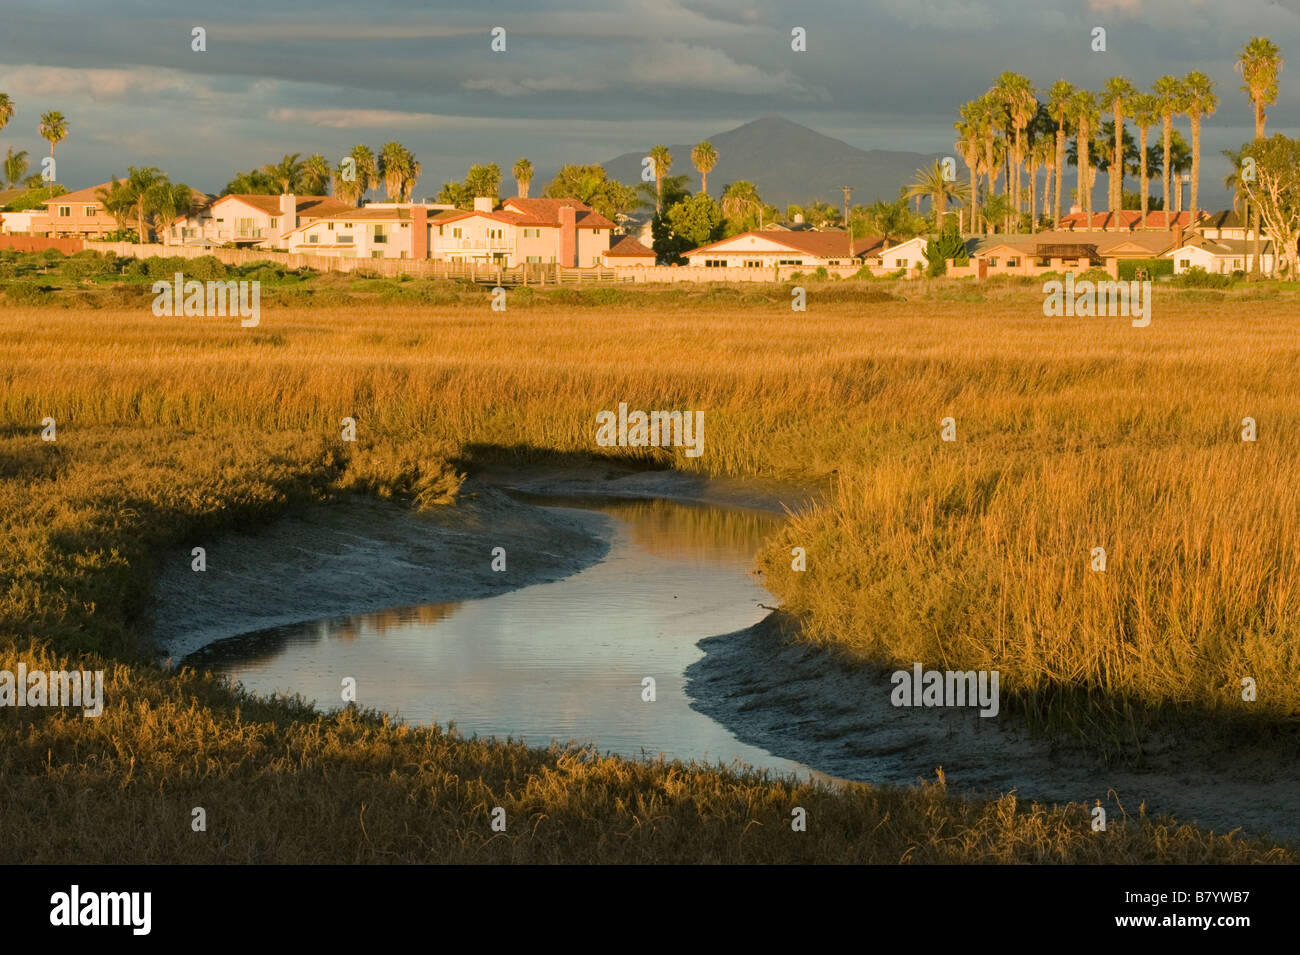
x=1084, y=114
x=287, y=172
x=169, y=202
x=6, y=114
x=1059, y=98
x=366, y=169
x=393, y=169
x=1116, y=96
x=15, y=166
x=523, y=173
x=1201, y=102
x=316, y=175
x=116, y=199
x=1171, y=97
x=663, y=162
x=740, y=201
x=1259, y=63
x=1044, y=153
x=1146, y=113
x=1018, y=99
x=969, y=146
x=54, y=130
x=704, y=157
x=931, y=184
x=992, y=116
x=140, y=180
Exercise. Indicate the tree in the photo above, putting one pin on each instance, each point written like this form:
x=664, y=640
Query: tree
x=1084, y=114
x=971, y=132
x=6, y=110
x=1275, y=191
x=1019, y=105
x=399, y=171
x=946, y=245
x=930, y=184
x=704, y=157
x=741, y=204
x=1260, y=63
x=1061, y=97
x=523, y=173
x=1146, y=113
x=252, y=183
x=140, y=181
x=590, y=185
x=15, y=166
x=484, y=180
x=54, y=130
x=1201, y=102
x=169, y=202
x=992, y=117
x=672, y=189
x=317, y=174
x=697, y=219
x=116, y=199
x=892, y=221
x=287, y=172
x=1171, y=98
x=662, y=160
x=457, y=194
x=1116, y=96
x=365, y=175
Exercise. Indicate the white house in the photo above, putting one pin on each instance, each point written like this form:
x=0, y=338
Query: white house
x=907, y=255
x=783, y=249
x=562, y=232
x=1221, y=256
x=253, y=220
x=391, y=231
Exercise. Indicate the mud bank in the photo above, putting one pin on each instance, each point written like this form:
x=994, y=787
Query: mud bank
x=799, y=702
x=360, y=555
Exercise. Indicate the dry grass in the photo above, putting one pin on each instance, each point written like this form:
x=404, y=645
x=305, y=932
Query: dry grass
x=1073, y=433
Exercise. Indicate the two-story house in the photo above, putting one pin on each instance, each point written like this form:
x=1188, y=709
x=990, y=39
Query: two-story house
x=256, y=221
x=564, y=232
x=79, y=214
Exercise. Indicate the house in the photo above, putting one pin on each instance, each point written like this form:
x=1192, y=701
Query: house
x=769, y=248
x=1221, y=256
x=80, y=214
x=562, y=232
x=253, y=220
x=906, y=255
x=627, y=252
x=1224, y=225
x=29, y=222
x=388, y=231
x=1127, y=220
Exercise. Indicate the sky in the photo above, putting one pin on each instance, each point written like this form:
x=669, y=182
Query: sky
x=579, y=80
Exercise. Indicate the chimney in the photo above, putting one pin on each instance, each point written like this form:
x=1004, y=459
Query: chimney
x=1178, y=236
x=288, y=214
x=568, y=237
x=419, y=232
x=483, y=203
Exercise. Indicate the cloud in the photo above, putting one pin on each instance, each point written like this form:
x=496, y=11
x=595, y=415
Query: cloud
x=353, y=118
x=102, y=85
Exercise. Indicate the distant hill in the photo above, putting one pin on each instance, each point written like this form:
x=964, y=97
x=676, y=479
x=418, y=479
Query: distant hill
x=789, y=163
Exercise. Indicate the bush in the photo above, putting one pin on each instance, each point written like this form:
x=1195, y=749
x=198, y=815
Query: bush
x=27, y=293
x=206, y=268
x=1154, y=269
x=1197, y=277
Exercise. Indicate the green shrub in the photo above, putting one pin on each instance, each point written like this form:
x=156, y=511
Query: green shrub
x=27, y=293
x=1197, y=277
x=1153, y=268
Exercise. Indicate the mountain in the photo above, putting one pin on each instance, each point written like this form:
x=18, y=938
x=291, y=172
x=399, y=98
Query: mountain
x=789, y=163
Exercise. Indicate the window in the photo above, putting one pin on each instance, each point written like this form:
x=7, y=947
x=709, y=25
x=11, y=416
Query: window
x=376, y=254
x=790, y=262
x=595, y=232
x=455, y=233
x=1012, y=262
x=993, y=262
x=330, y=226
x=275, y=223
x=532, y=233
x=343, y=239
x=1184, y=263
x=1236, y=263
x=439, y=230
x=832, y=261
x=534, y=260
x=347, y=225
x=753, y=264
x=380, y=235
x=715, y=263
x=313, y=237
x=65, y=211
x=900, y=263
x=401, y=255
x=89, y=212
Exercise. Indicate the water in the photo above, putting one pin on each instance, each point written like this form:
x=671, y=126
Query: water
x=558, y=661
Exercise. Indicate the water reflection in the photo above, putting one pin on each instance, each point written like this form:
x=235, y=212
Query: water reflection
x=562, y=660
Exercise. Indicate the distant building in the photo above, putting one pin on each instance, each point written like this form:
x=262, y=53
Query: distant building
x=80, y=214
x=256, y=221
x=626, y=252
x=770, y=248
x=1222, y=256
x=562, y=232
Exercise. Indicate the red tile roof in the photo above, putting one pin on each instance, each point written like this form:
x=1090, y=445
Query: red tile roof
x=315, y=206
x=546, y=212
x=628, y=246
x=1130, y=219
x=82, y=195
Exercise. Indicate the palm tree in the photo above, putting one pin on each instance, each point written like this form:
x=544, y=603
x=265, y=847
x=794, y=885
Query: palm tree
x=412, y=176
x=1084, y=114
x=931, y=184
x=523, y=173
x=287, y=172
x=1020, y=104
x=316, y=175
x=1259, y=63
x=366, y=169
x=740, y=201
x=1044, y=153
x=663, y=162
x=704, y=157
x=972, y=139
x=1201, y=102
x=140, y=180
x=116, y=199
x=54, y=130
x=169, y=202
x=1171, y=96
x=347, y=190
x=992, y=117
x=393, y=160
x=1059, y=98
x=1146, y=113
x=1116, y=96
x=15, y=166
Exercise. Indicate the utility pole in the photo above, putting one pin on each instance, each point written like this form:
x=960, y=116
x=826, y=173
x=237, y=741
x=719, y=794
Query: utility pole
x=848, y=190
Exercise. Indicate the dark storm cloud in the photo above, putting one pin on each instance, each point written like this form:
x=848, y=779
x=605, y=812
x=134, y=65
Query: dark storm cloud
x=581, y=80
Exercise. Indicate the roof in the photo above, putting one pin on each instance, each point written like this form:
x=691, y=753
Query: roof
x=1227, y=247
x=1130, y=219
x=9, y=195
x=316, y=206
x=1118, y=244
x=544, y=213
x=628, y=246
x=821, y=244
x=89, y=194
x=1227, y=219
